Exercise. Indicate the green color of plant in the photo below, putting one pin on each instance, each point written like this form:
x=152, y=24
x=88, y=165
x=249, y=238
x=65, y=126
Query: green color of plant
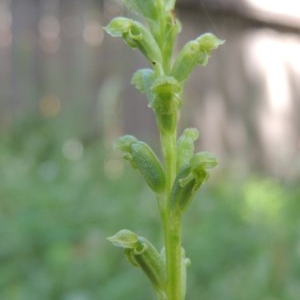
x=175, y=181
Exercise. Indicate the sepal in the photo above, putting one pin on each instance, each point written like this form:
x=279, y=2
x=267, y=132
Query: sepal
x=124, y=239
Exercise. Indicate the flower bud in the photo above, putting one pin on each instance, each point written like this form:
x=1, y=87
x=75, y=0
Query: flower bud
x=166, y=101
x=149, y=165
x=207, y=43
x=118, y=26
x=124, y=144
x=167, y=95
x=172, y=28
x=194, y=52
x=186, y=61
x=150, y=261
x=136, y=36
x=189, y=180
x=143, y=79
x=142, y=254
x=200, y=163
x=143, y=158
x=186, y=147
x=181, y=196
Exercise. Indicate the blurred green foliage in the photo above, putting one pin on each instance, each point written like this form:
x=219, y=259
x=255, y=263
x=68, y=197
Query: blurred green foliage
x=60, y=198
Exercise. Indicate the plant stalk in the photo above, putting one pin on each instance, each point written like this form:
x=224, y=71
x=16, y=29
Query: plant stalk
x=171, y=221
x=173, y=257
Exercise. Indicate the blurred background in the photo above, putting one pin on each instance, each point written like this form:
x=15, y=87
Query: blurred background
x=65, y=95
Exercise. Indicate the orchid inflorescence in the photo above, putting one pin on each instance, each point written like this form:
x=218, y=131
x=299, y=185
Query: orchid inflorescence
x=176, y=180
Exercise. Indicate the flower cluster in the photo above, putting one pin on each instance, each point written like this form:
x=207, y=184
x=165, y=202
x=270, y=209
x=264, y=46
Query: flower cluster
x=176, y=180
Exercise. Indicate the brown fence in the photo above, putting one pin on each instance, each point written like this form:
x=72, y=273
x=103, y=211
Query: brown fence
x=57, y=64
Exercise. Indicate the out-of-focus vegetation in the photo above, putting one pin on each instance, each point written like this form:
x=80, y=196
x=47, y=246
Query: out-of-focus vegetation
x=60, y=198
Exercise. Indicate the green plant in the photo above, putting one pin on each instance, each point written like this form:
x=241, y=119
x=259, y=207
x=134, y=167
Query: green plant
x=175, y=181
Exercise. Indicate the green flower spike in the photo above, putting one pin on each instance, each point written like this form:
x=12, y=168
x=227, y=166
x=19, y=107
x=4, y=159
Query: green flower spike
x=177, y=180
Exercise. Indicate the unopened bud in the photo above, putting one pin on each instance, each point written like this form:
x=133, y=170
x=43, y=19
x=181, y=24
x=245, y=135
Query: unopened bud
x=143, y=158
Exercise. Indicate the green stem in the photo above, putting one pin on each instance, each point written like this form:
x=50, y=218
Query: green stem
x=168, y=142
x=173, y=257
x=171, y=221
